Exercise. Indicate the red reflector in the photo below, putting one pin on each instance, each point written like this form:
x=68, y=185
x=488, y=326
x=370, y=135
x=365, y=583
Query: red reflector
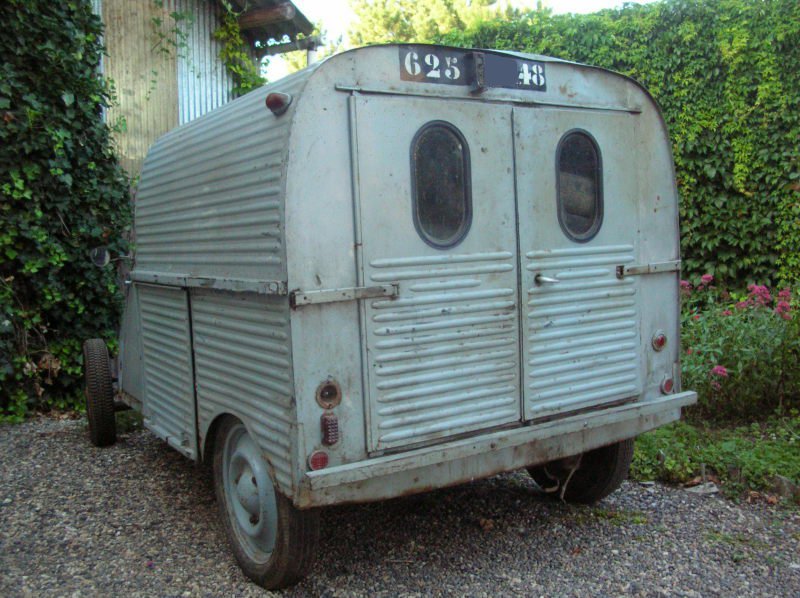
x=659, y=341
x=330, y=429
x=667, y=386
x=278, y=103
x=318, y=460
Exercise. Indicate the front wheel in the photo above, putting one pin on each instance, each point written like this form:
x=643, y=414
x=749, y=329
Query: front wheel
x=273, y=542
x=588, y=478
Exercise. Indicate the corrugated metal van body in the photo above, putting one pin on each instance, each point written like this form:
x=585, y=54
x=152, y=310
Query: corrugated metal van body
x=210, y=200
x=210, y=206
x=243, y=367
x=168, y=408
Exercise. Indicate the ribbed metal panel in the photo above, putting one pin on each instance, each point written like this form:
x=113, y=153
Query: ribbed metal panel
x=169, y=401
x=210, y=198
x=203, y=81
x=583, y=336
x=242, y=357
x=445, y=357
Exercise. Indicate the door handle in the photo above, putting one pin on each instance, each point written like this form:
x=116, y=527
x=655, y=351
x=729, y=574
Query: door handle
x=539, y=279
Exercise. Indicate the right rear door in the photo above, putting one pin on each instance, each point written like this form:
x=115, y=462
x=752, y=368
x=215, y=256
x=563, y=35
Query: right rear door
x=577, y=195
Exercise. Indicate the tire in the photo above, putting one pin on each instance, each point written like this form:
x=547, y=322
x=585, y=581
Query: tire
x=599, y=473
x=99, y=393
x=273, y=542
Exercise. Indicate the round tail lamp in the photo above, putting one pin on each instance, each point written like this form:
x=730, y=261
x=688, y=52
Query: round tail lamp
x=318, y=460
x=278, y=103
x=659, y=341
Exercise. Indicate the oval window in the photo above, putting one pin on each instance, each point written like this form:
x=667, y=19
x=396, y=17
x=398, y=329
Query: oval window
x=441, y=178
x=580, y=200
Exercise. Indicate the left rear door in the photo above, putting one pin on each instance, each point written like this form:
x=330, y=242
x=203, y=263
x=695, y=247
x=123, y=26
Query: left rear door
x=437, y=212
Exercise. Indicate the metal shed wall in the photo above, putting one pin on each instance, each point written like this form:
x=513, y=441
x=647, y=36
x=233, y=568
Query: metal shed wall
x=203, y=81
x=160, y=81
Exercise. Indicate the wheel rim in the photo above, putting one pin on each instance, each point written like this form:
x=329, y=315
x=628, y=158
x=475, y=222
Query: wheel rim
x=249, y=495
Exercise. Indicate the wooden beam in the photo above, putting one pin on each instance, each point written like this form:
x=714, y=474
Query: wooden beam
x=267, y=15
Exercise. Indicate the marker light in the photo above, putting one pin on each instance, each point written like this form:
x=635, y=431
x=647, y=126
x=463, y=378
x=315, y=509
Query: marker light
x=667, y=385
x=318, y=460
x=659, y=340
x=278, y=103
x=330, y=429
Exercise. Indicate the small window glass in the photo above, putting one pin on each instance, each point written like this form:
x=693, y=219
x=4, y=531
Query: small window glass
x=441, y=178
x=580, y=200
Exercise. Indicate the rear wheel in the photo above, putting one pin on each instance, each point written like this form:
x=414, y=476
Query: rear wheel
x=99, y=391
x=588, y=478
x=273, y=542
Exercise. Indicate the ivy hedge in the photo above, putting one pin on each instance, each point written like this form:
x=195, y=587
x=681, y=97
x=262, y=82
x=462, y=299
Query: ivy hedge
x=61, y=193
x=727, y=76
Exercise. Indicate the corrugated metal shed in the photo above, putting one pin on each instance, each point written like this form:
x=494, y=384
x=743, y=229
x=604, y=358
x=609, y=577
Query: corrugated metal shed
x=161, y=81
x=203, y=81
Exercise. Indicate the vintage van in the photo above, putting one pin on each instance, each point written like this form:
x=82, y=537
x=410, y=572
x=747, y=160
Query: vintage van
x=402, y=268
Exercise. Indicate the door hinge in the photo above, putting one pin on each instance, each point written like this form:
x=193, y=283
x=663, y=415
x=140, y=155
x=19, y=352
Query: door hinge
x=297, y=298
x=654, y=268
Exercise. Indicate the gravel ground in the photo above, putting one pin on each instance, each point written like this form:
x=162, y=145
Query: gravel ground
x=138, y=519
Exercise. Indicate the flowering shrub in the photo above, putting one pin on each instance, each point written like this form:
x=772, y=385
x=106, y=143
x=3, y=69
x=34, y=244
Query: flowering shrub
x=740, y=353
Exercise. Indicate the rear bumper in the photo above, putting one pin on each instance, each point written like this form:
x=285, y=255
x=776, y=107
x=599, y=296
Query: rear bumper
x=482, y=456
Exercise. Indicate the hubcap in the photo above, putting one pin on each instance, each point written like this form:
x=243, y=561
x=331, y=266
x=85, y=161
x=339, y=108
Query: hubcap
x=249, y=495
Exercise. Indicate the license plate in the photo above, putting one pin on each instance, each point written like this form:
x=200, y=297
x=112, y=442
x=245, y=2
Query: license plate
x=479, y=70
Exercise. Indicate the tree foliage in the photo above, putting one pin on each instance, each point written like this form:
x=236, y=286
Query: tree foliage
x=384, y=21
x=61, y=193
x=727, y=76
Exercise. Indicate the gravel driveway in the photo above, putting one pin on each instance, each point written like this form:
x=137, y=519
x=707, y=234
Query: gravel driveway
x=138, y=519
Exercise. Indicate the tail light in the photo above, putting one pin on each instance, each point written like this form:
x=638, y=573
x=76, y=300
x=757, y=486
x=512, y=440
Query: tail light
x=278, y=103
x=667, y=385
x=659, y=340
x=330, y=429
x=318, y=460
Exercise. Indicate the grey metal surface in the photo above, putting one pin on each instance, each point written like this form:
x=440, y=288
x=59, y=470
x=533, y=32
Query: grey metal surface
x=343, y=294
x=583, y=333
x=444, y=354
x=210, y=201
x=460, y=461
x=655, y=268
x=168, y=402
x=238, y=285
x=243, y=361
x=130, y=342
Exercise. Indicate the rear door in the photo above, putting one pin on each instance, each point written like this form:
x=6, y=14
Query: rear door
x=577, y=185
x=438, y=218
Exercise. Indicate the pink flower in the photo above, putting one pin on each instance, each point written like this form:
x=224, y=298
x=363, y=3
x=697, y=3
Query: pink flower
x=760, y=294
x=744, y=304
x=706, y=279
x=785, y=295
x=688, y=351
x=697, y=316
x=782, y=309
x=685, y=284
x=719, y=370
x=727, y=312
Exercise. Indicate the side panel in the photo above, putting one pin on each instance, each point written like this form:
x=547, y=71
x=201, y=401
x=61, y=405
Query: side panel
x=168, y=405
x=210, y=201
x=130, y=340
x=243, y=368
